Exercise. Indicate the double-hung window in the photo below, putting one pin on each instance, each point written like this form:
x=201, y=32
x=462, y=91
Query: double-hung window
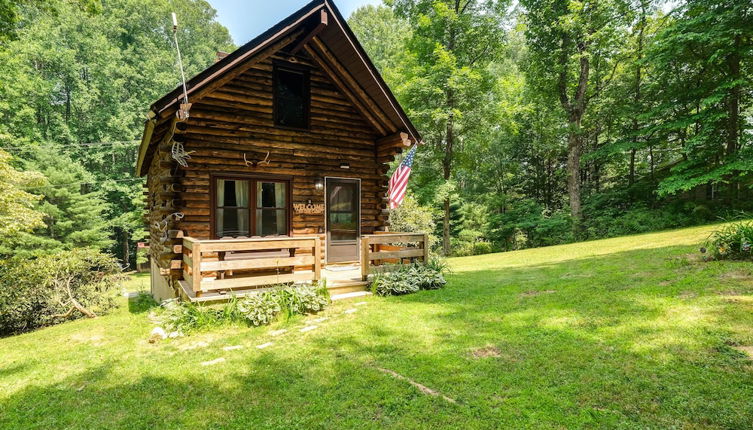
x=251, y=207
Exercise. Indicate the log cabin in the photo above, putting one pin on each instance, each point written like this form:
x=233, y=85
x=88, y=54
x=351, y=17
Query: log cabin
x=271, y=165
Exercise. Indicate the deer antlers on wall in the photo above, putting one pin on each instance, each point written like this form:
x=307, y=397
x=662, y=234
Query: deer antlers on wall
x=255, y=163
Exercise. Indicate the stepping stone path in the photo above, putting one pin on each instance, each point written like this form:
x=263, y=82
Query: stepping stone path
x=310, y=325
x=213, y=362
x=195, y=345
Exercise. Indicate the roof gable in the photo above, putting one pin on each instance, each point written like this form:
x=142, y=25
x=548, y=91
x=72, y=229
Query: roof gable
x=333, y=45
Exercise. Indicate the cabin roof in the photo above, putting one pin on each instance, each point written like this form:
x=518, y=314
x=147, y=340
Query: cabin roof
x=337, y=38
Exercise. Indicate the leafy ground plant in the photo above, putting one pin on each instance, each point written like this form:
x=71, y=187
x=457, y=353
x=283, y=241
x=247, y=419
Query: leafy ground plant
x=732, y=242
x=395, y=280
x=256, y=310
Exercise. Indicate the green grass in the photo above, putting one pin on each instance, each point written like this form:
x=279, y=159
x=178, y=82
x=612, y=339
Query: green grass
x=632, y=332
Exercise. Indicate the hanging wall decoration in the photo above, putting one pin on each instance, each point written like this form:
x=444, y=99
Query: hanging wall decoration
x=309, y=208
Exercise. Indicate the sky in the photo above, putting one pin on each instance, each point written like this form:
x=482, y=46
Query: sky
x=247, y=19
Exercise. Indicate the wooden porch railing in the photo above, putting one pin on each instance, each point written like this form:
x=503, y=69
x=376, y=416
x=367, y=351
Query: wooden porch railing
x=371, y=249
x=203, y=256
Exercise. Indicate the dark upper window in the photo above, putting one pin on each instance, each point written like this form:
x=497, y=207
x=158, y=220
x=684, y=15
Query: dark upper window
x=291, y=98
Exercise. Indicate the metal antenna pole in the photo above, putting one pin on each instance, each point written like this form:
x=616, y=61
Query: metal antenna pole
x=180, y=59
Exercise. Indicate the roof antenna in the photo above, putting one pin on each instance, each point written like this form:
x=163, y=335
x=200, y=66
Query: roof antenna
x=182, y=113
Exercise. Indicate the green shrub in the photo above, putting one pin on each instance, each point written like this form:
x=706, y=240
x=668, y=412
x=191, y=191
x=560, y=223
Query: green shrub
x=260, y=309
x=428, y=278
x=185, y=317
x=395, y=280
x=52, y=288
x=464, y=249
x=482, y=247
x=257, y=309
x=394, y=283
x=302, y=300
x=410, y=217
x=732, y=242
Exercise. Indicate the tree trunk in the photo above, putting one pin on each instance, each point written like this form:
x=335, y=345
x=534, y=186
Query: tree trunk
x=632, y=167
x=637, y=90
x=449, y=142
x=733, y=102
x=574, y=145
x=447, y=171
x=126, y=250
x=575, y=110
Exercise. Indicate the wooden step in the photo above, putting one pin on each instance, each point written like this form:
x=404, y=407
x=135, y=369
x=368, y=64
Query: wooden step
x=346, y=287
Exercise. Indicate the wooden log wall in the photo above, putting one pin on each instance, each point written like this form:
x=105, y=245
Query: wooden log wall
x=237, y=120
x=164, y=209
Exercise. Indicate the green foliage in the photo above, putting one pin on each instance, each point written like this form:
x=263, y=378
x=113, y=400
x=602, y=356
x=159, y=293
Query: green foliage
x=395, y=280
x=142, y=256
x=732, y=242
x=17, y=210
x=383, y=35
x=410, y=217
x=260, y=309
x=73, y=216
x=302, y=300
x=663, y=97
x=40, y=291
x=85, y=72
x=257, y=309
x=465, y=248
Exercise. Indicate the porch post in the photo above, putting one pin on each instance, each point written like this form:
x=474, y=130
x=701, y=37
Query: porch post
x=365, y=260
x=196, y=269
x=317, y=259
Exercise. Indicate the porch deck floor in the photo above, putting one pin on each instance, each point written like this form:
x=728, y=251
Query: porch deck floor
x=343, y=279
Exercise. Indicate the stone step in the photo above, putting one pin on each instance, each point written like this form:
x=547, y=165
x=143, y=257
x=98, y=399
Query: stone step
x=350, y=295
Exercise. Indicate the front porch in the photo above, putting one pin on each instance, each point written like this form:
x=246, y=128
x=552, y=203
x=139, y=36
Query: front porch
x=215, y=270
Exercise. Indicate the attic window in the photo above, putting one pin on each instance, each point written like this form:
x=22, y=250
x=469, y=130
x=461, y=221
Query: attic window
x=291, y=98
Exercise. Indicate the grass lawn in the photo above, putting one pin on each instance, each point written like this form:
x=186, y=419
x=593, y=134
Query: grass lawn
x=632, y=332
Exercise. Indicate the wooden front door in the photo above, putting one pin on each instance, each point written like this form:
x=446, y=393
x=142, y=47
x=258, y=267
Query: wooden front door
x=343, y=219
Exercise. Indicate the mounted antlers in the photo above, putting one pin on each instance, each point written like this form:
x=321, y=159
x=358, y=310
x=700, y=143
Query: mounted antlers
x=255, y=163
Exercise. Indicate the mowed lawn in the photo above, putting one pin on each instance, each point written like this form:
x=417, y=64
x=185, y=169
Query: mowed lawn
x=633, y=332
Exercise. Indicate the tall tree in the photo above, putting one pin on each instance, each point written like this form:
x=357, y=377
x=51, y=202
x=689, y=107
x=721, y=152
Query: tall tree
x=17, y=211
x=384, y=36
x=703, y=61
x=75, y=215
x=80, y=75
x=566, y=38
x=449, y=85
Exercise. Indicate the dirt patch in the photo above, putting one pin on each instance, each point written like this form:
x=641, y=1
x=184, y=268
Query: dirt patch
x=536, y=293
x=729, y=293
x=747, y=350
x=687, y=295
x=487, y=351
x=737, y=275
x=695, y=257
x=422, y=388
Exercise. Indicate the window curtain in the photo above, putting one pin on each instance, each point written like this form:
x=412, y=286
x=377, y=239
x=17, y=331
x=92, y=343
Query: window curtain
x=220, y=218
x=232, y=216
x=241, y=199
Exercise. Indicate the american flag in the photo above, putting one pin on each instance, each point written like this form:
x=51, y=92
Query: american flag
x=399, y=179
